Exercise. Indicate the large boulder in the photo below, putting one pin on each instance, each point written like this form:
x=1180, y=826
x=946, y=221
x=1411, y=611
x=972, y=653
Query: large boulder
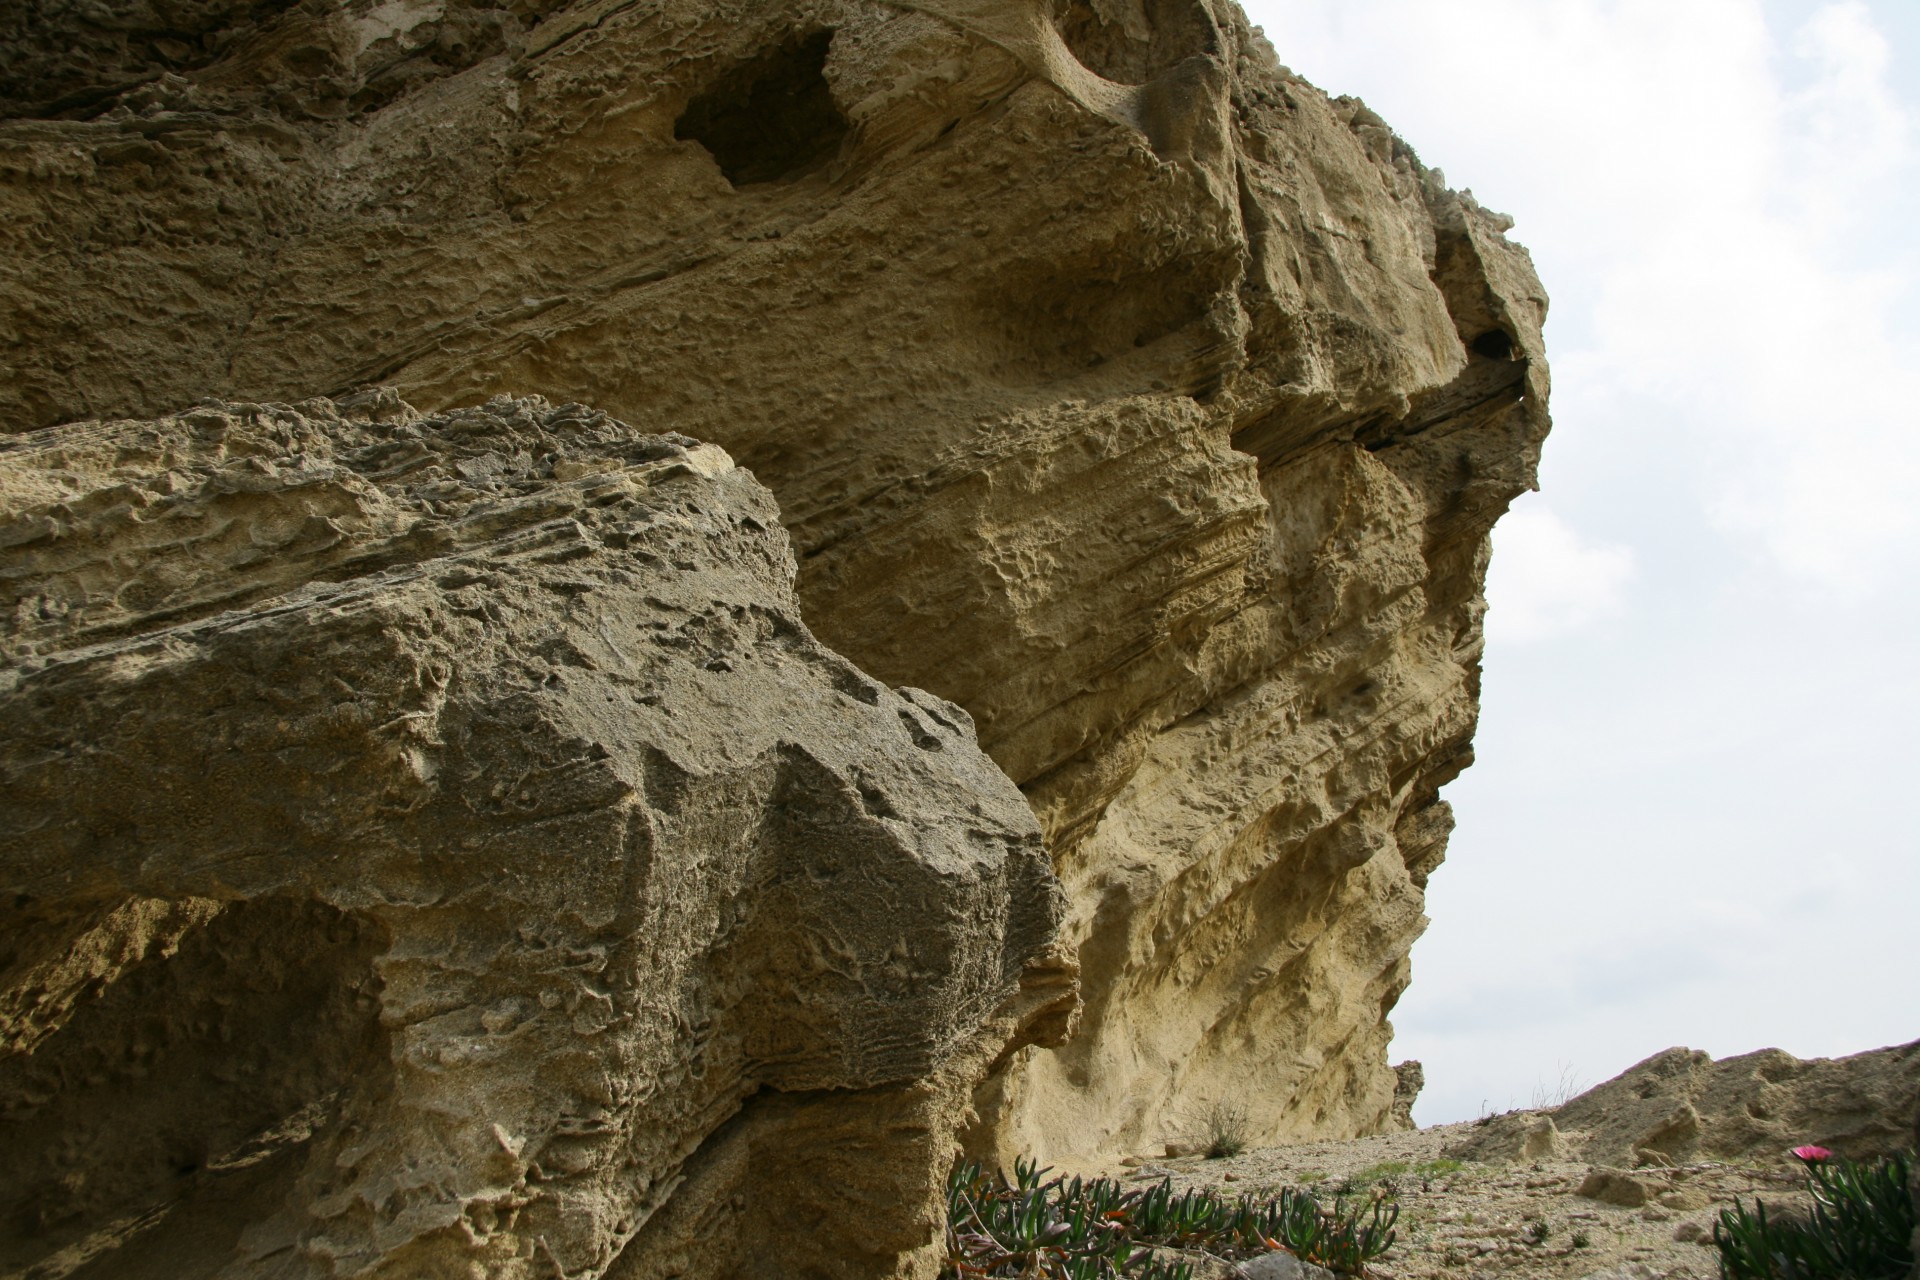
x=436, y=846
x=1116, y=385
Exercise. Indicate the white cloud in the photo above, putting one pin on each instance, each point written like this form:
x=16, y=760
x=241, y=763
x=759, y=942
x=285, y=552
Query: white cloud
x=1716, y=206
x=1755, y=307
x=1547, y=580
x=1850, y=132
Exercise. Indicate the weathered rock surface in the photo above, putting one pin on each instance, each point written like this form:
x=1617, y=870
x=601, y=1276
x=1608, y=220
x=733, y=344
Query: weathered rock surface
x=1281, y=1266
x=1409, y=1078
x=435, y=846
x=1115, y=384
x=1680, y=1106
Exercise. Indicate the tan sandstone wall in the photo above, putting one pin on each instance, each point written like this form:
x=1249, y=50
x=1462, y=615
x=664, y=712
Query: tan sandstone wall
x=436, y=847
x=1114, y=383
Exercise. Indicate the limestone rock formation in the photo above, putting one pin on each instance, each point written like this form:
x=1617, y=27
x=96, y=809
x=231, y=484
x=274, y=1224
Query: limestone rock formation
x=1680, y=1106
x=436, y=846
x=1115, y=384
x=1409, y=1078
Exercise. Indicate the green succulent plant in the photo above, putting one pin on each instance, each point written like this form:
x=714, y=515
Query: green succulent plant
x=1080, y=1229
x=1861, y=1227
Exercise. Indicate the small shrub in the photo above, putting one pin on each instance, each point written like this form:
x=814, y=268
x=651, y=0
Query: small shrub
x=1379, y=1173
x=1581, y=1240
x=1538, y=1230
x=1074, y=1229
x=1437, y=1168
x=1546, y=1097
x=1226, y=1127
x=1861, y=1227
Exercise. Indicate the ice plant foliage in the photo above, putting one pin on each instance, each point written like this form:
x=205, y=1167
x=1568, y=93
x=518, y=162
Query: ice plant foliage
x=1096, y=1230
x=1861, y=1227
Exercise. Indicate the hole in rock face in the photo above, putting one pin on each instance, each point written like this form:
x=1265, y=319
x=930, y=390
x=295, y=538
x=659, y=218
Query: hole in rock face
x=192, y=1081
x=771, y=117
x=1494, y=344
x=1165, y=32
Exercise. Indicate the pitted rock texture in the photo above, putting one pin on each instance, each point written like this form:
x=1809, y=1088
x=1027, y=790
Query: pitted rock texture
x=435, y=846
x=1680, y=1106
x=1115, y=384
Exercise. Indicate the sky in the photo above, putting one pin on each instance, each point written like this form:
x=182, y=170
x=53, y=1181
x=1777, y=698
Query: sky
x=1690, y=820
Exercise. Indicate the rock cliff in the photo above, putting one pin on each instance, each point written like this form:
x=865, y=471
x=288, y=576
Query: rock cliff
x=1115, y=385
x=436, y=846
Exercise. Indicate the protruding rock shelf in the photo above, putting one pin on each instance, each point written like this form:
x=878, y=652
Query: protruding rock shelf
x=437, y=842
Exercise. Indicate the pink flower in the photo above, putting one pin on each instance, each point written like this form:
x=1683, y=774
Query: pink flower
x=1812, y=1154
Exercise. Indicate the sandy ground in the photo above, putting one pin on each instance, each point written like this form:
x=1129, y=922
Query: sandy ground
x=1463, y=1219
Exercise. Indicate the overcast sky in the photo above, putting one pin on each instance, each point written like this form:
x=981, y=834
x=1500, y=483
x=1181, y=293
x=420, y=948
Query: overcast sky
x=1692, y=817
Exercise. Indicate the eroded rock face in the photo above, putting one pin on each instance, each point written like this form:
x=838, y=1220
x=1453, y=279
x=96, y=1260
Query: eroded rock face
x=1115, y=384
x=1681, y=1106
x=436, y=846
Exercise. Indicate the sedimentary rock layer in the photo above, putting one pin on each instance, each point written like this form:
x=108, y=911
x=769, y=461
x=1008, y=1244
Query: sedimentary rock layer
x=1115, y=384
x=436, y=846
x=1680, y=1106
